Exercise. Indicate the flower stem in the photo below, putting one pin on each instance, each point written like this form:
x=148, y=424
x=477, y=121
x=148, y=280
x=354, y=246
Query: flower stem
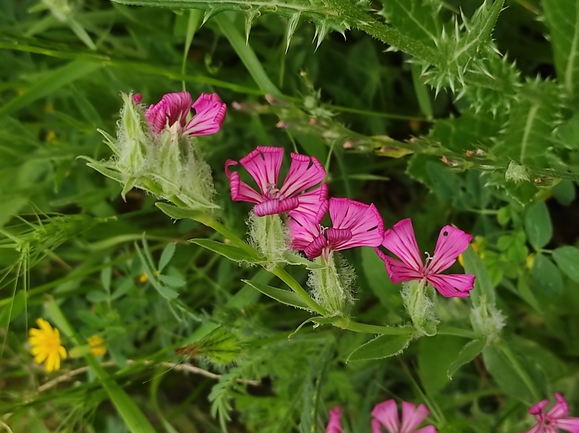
x=283, y=275
x=351, y=325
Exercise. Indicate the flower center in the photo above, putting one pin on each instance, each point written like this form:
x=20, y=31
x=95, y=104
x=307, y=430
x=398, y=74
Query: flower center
x=272, y=191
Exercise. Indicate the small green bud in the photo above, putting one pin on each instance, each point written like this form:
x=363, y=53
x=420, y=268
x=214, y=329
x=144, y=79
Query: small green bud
x=488, y=320
x=332, y=284
x=517, y=173
x=269, y=236
x=420, y=302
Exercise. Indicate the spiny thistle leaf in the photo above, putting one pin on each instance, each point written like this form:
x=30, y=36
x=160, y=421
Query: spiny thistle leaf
x=562, y=18
x=460, y=42
x=418, y=20
x=469, y=132
x=528, y=135
x=324, y=14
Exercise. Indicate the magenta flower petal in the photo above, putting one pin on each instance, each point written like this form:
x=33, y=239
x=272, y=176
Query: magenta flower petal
x=452, y=285
x=263, y=164
x=397, y=270
x=536, y=429
x=401, y=241
x=335, y=424
x=172, y=108
x=305, y=227
x=240, y=191
x=354, y=224
x=539, y=407
x=560, y=408
x=451, y=242
x=313, y=204
x=209, y=115
x=412, y=416
x=363, y=221
x=276, y=206
x=387, y=415
x=137, y=98
x=569, y=424
x=304, y=172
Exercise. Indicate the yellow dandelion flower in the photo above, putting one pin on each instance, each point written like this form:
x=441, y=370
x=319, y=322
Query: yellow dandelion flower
x=46, y=345
x=97, y=345
x=51, y=137
x=143, y=278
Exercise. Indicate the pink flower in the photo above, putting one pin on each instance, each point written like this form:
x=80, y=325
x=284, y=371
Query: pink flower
x=173, y=108
x=451, y=242
x=264, y=164
x=335, y=425
x=385, y=414
x=354, y=224
x=555, y=419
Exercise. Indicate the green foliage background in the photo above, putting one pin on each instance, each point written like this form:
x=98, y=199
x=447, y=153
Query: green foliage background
x=446, y=112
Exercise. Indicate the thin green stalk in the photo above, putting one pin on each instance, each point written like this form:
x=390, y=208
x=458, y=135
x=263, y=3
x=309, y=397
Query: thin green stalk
x=459, y=332
x=351, y=325
x=211, y=222
x=283, y=275
x=246, y=55
x=195, y=19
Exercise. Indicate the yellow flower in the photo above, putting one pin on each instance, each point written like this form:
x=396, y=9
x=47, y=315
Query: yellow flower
x=97, y=345
x=475, y=247
x=46, y=345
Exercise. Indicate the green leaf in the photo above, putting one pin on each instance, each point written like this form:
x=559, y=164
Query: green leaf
x=179, y=213
x=529, y=129
x=506, y=376
x=482, y=283
x=564, y=192
x=11, y=311
x=466, y=355
x=416, y=19
x=286, y=297
x=538, y=225
x=470, y=131
x=381, y=347
x=166, y=255
x=10, y=207
x=546, y=276
x=53, y=81
x=172, y=281
x=567, y=258
x=230, y=251
x=562, y=19
x=433, y=362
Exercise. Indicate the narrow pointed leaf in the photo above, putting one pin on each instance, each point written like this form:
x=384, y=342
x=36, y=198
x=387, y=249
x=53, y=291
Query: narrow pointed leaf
x=286, y=297
x=381, y=347
x=466, y=355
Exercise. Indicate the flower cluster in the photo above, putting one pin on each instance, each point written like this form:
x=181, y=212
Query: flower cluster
x=302, y=197
x=385, y=415
x=155, y=148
